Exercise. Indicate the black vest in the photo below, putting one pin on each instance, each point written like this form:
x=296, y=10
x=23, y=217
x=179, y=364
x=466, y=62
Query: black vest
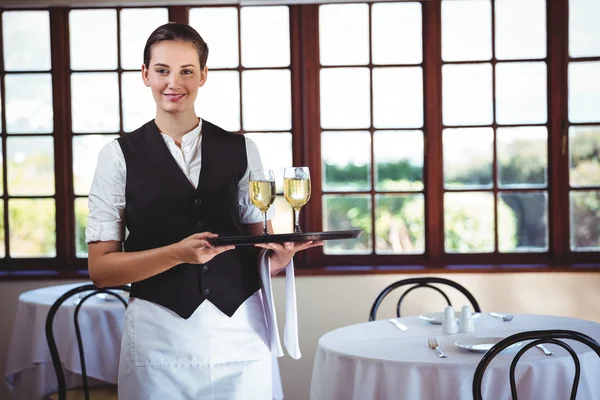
x=162, y=208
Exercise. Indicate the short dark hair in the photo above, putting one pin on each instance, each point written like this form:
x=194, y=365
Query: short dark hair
x=176, y=31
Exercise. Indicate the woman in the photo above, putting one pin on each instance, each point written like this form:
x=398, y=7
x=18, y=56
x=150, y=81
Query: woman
x=197, y=326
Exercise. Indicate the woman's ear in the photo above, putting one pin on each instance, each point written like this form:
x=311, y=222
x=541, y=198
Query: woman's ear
x=145, y=75
x=203, y=76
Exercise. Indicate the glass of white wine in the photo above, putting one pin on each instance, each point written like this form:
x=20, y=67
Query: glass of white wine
x=296, y=189
x=262, y=192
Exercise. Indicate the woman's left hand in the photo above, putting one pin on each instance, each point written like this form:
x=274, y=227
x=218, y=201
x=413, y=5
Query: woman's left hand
x=282, y=253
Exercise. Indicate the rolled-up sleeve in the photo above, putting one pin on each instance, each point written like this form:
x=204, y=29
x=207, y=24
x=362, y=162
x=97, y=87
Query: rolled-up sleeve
x=106, y=200
x=249, y=213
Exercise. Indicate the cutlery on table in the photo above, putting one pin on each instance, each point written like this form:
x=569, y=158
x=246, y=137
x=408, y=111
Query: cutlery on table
x=545, y=350
x=505, y=318
x=432, y=342
x=399, y=325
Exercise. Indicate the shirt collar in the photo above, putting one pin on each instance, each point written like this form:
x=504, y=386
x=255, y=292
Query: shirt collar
x=189, y=137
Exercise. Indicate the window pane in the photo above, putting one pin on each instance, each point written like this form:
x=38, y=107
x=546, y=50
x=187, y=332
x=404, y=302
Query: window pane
x=344, y=34
x=267, y=100
x=350, y=169
x=93, y=38
x=398, y=97
x=85, y=157
x=81, y=214
x=348, y=212
x=584, y=91
x=26, y=40
x=397, y=33
x=265, y=47
x=400, y=224
x=136, y=26
x=398, y=160
x=30, y=166
x=29, y=103
x=584, y=144
x=585, y=220
x=520, y=29
x=138, y=104
x=468, y=155
x=32, y=233
x=469, y=222
x=219, y=28
x=523, y=222
x=584, y=31
x=467, y=94
x=521, y=96
x=95, y=102
x=2, y=248
x=345, y=98
x=218, y=100
x=522, y=157
x=275, y=153
x=466, y=30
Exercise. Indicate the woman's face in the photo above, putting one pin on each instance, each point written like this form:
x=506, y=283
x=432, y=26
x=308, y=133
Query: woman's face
x=174, y=75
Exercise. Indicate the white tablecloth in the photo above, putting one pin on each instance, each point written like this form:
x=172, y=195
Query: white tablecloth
x=375, y=360
x=29, y=371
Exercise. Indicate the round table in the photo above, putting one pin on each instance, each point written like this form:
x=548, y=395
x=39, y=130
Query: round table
x=375, y=360
x=29, y=372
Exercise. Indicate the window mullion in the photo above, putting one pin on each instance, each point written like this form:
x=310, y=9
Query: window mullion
x=557, y=42
x=63, y=164
x=432, y=80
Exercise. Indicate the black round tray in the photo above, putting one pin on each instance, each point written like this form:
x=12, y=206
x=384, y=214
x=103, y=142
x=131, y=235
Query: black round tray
x=285, y=237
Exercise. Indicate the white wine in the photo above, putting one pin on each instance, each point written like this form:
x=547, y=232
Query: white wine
x=262, y=194
x=296, y=191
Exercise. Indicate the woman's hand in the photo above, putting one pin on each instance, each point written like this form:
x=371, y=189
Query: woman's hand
x=282, y=253
x=195, y=249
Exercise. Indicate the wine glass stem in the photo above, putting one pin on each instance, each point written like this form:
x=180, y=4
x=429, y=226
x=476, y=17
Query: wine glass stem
x=297, y=221
x=265, y=229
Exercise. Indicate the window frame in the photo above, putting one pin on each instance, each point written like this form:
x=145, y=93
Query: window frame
x=306, y=130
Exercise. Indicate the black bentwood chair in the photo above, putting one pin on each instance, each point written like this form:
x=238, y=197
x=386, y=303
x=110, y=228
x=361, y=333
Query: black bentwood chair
x=424, y=282
x=538, y=337
x=87, y=393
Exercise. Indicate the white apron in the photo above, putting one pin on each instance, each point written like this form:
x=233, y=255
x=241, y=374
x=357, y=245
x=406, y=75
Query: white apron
x=209, y=356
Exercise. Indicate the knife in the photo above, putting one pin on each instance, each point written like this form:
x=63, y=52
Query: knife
x=399, y=325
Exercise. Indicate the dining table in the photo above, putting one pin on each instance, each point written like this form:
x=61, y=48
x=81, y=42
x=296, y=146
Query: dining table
x=29, y=372
x=378, y=360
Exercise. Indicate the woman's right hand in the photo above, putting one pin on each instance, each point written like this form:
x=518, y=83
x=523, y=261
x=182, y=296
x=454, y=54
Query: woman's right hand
x=195, y=249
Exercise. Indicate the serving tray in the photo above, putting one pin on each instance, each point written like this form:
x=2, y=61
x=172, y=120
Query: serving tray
x=285, y=237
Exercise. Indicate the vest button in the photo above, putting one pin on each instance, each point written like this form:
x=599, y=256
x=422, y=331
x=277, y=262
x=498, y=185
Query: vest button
x=198, y=201
x=200, y=223
x=205, y=269
x=206, y=292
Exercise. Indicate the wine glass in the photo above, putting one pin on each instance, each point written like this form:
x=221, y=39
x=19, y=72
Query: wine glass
x=262, y=192
x=296, y=189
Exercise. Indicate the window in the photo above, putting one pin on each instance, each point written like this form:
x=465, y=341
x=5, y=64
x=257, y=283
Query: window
x=584, y=126
x=28, y=205
x=452, y=133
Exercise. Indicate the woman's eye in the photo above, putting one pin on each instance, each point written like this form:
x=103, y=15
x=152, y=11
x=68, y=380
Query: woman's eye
x=186, y=72
x=162, y=71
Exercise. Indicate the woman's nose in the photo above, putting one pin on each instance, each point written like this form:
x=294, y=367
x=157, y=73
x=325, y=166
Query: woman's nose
x=174, y=80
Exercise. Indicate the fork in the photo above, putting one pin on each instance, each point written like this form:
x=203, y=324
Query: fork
x=432, y=342
x=505, y=318
x=545, y=350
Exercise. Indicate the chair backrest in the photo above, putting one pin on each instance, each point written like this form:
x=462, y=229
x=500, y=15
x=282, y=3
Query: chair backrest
x=416, y=283
x=538, y=337
x=93, y=290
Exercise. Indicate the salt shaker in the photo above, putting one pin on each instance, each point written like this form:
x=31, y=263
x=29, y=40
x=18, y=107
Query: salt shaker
x=466, y=320
x=449, y=325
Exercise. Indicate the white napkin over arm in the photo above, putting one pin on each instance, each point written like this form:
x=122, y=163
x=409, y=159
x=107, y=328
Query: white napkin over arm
x=290, y=334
